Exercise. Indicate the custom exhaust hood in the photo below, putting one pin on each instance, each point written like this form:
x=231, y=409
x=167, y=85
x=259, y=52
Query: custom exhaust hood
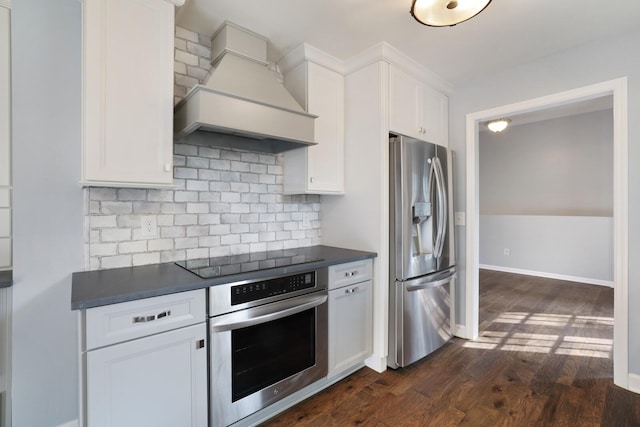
x=242, y=105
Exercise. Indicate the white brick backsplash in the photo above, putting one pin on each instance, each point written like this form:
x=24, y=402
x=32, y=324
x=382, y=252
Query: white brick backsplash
x=185, y=34
x=197, y=253
x=196, y=48
x=146, y=207
x=97, y=193
x=197, y=208
x=127, y=194
x=160, y=195
x=108, y=221
x=116, y=208
x=179, y=67
x=186, y=173
x=186, y=219
x=198, y=230
x=116, y=261
x=211, y=153
x=132, y=247
x=146, y=258
x=196, y=72
x=160, y=244
x=115, y=234
x=186, y=196
x=204, y=219
x=186, y=243
x=194, y=185
x=173, y=256
x=224, y=202
x=173, y=232
x=186, y=58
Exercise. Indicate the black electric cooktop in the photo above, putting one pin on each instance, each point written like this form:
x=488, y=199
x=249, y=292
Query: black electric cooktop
x=208, y=268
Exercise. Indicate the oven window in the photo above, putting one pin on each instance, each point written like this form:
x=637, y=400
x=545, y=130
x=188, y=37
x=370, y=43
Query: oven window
x=264, y=354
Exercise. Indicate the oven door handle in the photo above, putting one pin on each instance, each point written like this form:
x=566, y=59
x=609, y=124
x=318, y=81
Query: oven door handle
x=264, y=314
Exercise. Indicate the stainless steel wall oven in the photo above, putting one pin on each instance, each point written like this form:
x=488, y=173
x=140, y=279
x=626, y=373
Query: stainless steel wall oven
x=268, y=339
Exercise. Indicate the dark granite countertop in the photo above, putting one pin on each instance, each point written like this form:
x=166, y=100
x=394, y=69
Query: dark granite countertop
x=103, y=287
x=6, y=278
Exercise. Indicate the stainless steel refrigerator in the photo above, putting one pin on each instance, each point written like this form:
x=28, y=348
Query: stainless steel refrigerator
x=421, y=266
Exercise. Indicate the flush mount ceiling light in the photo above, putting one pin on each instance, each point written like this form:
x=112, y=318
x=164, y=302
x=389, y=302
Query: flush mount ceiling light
x=446, y=13
x=498, y=125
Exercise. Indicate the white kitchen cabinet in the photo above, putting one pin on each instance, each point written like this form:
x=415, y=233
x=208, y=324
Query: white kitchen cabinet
x=128, y=50
x=5, y=140
x=416, y=109
x=317, y=169
x=142, y=366
x=350, y=315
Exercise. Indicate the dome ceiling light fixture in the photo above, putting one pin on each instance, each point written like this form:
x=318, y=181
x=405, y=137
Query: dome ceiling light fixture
x=498, y=125
x=446, y=13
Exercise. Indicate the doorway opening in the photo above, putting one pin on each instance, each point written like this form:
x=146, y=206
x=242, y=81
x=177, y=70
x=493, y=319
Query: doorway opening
x=618, y=90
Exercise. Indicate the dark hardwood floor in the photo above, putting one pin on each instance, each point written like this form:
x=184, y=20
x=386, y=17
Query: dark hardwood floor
x=543, y=358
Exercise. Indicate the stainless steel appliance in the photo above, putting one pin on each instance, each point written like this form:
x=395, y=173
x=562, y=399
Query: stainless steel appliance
x=421, y=266
x=268, y=339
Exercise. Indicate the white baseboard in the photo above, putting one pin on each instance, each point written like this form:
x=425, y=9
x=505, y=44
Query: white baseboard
x=586, y=280
x=461, y=331
x=73, y=423
x=634, y=383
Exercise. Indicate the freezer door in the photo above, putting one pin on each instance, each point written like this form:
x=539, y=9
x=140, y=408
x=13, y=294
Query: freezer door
x=418, y=208
x=422, y=316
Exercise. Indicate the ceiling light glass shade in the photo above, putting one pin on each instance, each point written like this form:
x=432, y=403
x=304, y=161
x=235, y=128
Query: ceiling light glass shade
x=498, y=125
x=444, y=13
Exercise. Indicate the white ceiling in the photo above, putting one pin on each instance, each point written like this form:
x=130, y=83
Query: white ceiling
x=507, y=33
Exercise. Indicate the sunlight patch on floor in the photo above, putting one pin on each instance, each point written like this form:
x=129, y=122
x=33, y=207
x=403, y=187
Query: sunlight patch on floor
x=547, y=343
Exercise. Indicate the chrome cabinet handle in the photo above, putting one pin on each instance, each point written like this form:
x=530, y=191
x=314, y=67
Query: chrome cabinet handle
x=351, y=273
x=352, y=290
x=144, y=319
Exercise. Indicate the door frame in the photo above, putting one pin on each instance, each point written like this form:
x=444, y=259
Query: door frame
x=618, y=89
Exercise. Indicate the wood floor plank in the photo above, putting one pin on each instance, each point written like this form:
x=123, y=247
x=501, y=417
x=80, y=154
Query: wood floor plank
x=543, y=358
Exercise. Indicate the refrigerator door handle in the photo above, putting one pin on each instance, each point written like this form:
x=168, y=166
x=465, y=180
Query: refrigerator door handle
x=433, y=281
x=442, y=208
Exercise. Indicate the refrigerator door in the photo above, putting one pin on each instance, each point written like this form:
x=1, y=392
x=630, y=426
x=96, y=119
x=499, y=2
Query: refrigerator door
x=422, y=316
x=419, y=229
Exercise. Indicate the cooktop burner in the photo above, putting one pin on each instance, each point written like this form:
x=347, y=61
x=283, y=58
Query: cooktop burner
x=207, y=268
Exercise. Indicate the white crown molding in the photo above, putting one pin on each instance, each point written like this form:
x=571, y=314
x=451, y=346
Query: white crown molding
x=306, y=52
x=176, y=3
x=5, y=3
x=383, y=51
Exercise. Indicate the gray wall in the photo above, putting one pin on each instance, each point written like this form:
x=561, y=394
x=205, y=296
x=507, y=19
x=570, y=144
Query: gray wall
x=581, y=66
x=560, y=166
x=48, y=214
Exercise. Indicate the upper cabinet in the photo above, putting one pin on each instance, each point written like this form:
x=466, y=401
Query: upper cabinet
x=128, y=92
x=416, y=109
x=310, y=76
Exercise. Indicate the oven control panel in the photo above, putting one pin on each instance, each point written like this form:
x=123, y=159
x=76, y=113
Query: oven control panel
x=268, y=288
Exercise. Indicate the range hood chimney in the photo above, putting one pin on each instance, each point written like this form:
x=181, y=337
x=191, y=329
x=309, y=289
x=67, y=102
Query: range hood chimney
x=242, y=105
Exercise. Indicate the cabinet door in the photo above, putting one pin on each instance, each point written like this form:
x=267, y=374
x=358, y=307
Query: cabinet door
x=350, y=326
x=435, y=112
x=157, y=381
x=326, y=100
x=404, y=104
x=128, y=92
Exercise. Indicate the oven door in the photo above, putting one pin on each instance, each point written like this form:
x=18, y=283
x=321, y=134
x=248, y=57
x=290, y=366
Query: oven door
x=262, y=354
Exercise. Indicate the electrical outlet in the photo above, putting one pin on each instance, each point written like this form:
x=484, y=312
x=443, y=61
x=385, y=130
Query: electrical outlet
x=507, y=251
x=149, y=225
x=459, y=218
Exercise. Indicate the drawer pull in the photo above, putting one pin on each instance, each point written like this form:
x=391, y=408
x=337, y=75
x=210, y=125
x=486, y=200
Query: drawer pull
x=352, y=290
x=350, y=274
x=144, y=319
x=164, y=314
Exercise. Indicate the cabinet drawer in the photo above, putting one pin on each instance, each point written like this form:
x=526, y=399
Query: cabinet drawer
x=115, y=323
x=349, y=273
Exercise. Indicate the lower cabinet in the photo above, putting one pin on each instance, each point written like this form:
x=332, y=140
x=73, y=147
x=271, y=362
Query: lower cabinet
x=145, y=362
x=157, y=381
x=350, y=316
